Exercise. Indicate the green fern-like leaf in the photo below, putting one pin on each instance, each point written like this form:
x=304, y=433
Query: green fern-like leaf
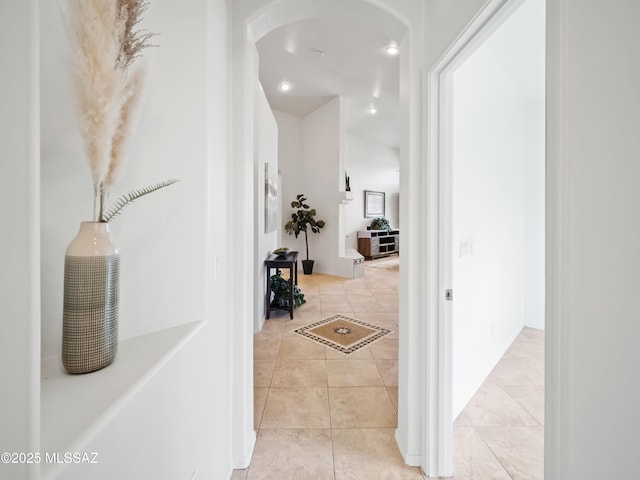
x=128, y=198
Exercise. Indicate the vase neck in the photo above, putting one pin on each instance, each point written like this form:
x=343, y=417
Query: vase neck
x=93, y=239
x=96, y=227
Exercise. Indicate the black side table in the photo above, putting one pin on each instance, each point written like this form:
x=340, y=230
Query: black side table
x=279, y=262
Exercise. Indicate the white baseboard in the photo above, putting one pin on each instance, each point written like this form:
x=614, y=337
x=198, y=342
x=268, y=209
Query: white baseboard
x=243, y=461
x=412, y=460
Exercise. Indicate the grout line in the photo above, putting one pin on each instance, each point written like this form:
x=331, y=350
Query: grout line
x=257, y=427
x=494, y=453
x=520, y=404
x=329, y=405
x=391, y=400
x=333, y=453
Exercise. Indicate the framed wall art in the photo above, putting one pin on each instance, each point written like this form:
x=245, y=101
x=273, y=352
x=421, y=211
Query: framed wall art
x=270, y=199
x=373, y=204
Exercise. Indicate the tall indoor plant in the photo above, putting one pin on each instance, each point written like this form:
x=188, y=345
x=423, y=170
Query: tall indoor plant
x=108, y=83
x=303, y=220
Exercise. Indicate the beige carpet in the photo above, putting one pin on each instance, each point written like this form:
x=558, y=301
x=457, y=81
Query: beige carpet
x=343, y=334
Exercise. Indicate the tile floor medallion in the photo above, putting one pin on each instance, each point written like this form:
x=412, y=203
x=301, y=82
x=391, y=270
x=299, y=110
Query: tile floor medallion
x=343, y=334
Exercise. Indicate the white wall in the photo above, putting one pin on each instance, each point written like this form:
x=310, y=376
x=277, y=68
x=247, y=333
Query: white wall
x=310, y=155
x=594, y=306
x=498, y=176
x=266, y=145
x=488, y=209
x=174, y=243
x=19, y=236
x=534, y=190
x=321, y=149
x=291, y=170
x=309, y=151
x=370, y=167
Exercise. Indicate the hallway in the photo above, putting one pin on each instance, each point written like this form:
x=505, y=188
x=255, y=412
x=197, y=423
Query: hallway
x=322, y=415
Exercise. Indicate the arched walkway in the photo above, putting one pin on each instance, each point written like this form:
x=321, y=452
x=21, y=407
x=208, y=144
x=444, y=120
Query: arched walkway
x=251, y=21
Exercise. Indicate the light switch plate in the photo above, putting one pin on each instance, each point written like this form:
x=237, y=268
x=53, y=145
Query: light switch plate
x=465, y=247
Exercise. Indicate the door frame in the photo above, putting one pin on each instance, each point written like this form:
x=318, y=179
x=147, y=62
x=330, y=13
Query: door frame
x=437, y=337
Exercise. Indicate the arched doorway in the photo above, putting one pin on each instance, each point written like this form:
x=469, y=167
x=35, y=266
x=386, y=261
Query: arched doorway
x=252, y=20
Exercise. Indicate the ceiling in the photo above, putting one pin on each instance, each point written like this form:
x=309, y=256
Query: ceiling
x=345, y=56
x=326, y=57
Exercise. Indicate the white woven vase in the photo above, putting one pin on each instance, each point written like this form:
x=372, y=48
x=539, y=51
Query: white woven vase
x=91, y=298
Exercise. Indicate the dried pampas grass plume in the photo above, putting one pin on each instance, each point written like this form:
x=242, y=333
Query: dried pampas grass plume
x=133, y=41
x=106, y=44
x=98, y=84
x=126, y=125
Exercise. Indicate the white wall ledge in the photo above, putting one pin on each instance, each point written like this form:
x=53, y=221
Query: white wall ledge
x=346, y=197
x=76, y=407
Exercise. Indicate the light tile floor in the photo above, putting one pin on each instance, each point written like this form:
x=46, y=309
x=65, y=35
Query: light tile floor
x=500, y=433
x=322, y=415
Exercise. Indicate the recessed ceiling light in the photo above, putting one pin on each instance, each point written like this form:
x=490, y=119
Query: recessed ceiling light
x=392, y=50
x=373, y=110
x=284, y=87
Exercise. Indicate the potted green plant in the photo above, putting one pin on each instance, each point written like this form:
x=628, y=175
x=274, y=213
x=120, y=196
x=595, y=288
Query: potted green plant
x=281, y=293
x=380, y=223
x=303, y=220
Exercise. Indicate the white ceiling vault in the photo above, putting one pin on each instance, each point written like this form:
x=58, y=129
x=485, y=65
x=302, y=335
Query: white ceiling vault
x=326, y=57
